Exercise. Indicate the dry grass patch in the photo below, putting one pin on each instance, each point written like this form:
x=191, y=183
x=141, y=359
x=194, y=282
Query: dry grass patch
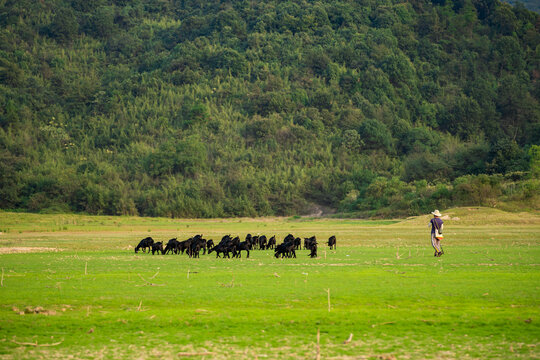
x=26, y=249
x=358, y=350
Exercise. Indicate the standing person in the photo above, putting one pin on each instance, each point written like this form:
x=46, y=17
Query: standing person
x=436, y=224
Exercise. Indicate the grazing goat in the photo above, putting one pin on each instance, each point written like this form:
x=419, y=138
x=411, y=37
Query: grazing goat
x=172, y=246
x=145, y=243
x=255, y=242
x=262, y=242
x=221, y=248
x=249, y=241
x=308, y=242
x=194, y=249
x=196, y=245
x=297, y=243
x=204, y=245
x=184, y=246
x=157, y=247
x=313, y=248
x=332, y=242
x=285, y=250
x=271, y=243
x=313, y=253
x=237, y=250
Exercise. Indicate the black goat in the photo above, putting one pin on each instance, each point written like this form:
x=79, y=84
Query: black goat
x=255, y=242
x=271, y=243
x=195, y=249
x=197, y=243
x=262, y=242
x=237, y=250
x=308, y=242
x=145, y=243
x=249, y=241
x=297, y=243
x=204, y=245
x=157, y=247
x=172, y=246
x=285, y=250
x=184, y=246
x=332, y=242
x=221, y=248
x=313, y=253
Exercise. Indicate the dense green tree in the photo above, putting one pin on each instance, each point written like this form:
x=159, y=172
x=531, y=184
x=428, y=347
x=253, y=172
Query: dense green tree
x=506, y=156
x=504, y=19
x=375, y=135
x=64, y=25
x=102, y=22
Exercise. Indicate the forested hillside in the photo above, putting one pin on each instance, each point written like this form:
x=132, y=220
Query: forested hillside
x=533, y=5
x=243, y=108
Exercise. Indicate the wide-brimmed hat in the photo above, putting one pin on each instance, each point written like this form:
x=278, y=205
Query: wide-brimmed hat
x=436, y=213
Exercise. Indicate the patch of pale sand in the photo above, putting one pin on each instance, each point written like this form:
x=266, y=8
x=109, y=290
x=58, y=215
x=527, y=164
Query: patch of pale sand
x=24, y=249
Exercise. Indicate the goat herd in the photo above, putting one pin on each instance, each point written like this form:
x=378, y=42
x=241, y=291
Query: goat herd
x=228, y=245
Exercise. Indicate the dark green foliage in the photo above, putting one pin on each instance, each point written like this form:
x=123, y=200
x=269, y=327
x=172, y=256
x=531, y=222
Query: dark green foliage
x=425, y=166
x=64, y=25
x=206, y=109
x=102, y=22
x=375, y=135
x=186, y=157
x=506, y=156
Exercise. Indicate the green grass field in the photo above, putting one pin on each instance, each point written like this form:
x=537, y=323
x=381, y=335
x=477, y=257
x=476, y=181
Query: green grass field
x=94, y=298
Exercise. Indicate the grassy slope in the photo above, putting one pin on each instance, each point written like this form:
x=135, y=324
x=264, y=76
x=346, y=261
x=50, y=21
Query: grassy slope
x=480, y=300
